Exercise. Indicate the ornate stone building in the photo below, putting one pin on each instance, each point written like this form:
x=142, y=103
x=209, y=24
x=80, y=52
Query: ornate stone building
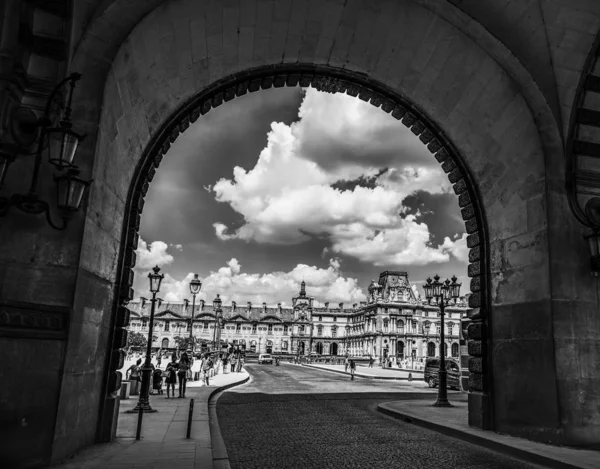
x=392, y=322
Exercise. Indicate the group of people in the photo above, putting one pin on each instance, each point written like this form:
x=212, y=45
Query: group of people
x=175, y=372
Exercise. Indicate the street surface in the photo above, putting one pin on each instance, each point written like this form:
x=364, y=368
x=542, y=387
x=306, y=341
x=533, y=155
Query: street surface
x=291, y=416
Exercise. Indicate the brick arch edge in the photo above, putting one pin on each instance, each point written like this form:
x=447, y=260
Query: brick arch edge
x=331, y=80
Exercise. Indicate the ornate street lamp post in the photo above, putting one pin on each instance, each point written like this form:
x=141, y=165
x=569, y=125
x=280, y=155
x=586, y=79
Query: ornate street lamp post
x=195, y=286
x=144, y=401
x=218, y=311
x=442, y=293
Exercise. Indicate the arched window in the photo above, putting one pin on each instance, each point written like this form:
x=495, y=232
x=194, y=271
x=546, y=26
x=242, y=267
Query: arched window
x=431, y=349
x=333, y=349
x=165, y=343
x=401, y=326
x=455, y=349
x=386, y=324
x=450, y=328
x=334, y=332
x=320, y=330
x=284, y=345
x=400, y=349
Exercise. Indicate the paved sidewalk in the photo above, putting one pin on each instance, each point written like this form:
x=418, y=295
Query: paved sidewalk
x=372, y=373
x=163, y=444
x=453, y=422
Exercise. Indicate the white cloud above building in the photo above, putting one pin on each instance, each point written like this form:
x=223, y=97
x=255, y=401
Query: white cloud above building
x=290, y=194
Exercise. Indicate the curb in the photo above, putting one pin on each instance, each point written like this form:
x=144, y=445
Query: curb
x=227, y=386
x=360, y=375
x=500, y=447
x=214, y=426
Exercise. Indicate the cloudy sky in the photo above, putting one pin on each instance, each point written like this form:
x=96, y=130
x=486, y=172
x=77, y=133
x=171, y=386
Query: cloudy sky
x=289, y=184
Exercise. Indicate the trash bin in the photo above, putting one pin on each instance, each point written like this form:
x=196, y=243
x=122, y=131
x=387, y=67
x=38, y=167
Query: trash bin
x=125, y=388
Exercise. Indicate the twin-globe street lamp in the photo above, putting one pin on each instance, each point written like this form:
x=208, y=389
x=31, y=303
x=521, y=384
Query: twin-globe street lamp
x=144, y=401
x=195, y=286
x=442, y=293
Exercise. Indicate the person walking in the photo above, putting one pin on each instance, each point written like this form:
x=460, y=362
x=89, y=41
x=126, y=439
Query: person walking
x=240, y=363
x=225, y=363
x=352, y=369
x=182, y=373
x=346, y=363
x=371, y=361
x=171, y=372
x=207, y=365
x=196, y=369
x=233, y=363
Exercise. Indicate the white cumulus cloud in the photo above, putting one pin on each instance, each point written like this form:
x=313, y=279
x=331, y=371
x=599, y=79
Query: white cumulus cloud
x=149, y=255
x=325, y=284
x=294, y=190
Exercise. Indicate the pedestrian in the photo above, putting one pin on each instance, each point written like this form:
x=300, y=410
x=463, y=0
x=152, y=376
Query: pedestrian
x=171, y=372
x=207, y=365
x=346, y=363
x=182, y=373
x=240, y=363
x=233, y=363
x=196, y=368
x=371, y=361
x=352, y=369
x=225, y=363
x=135, y=375
x=157, y=380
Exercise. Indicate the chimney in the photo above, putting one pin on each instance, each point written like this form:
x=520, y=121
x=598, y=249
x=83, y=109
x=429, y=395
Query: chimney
x=249, y=306
x=233, y=305
x=354, y=305
x=279, y=307
x=327, y=305
x=201, y=305
x=341, y=305
x=363, y=303
x=143, y=301
x=265, y=308
x=186, y=303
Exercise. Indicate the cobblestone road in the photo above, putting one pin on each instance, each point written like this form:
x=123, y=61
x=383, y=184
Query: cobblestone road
x=296, y=417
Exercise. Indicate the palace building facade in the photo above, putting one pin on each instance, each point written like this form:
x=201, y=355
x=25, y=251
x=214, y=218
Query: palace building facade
x=393, y=322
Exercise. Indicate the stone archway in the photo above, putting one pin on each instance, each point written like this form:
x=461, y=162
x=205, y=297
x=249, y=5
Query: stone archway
x=319, y=348
x=480, y=127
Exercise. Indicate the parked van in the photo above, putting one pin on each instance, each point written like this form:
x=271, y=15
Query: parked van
x=432, y=366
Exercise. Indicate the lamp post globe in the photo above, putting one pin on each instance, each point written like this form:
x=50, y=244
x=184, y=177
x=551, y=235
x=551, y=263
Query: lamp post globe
x=195, y=286
x=155, y=278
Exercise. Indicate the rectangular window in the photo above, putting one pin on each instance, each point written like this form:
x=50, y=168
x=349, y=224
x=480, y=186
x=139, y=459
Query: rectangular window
x=254, y=328
x=285, y=330
x=205, y=325
x=301, y=329
x=166, y=326
x=270, y=329
x=335, y=319
x=238, y=327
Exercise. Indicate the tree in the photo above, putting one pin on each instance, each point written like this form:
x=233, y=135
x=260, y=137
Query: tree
x=136, y=339
x=183, y=343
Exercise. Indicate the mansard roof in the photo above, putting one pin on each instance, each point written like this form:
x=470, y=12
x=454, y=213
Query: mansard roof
x=206, y=311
